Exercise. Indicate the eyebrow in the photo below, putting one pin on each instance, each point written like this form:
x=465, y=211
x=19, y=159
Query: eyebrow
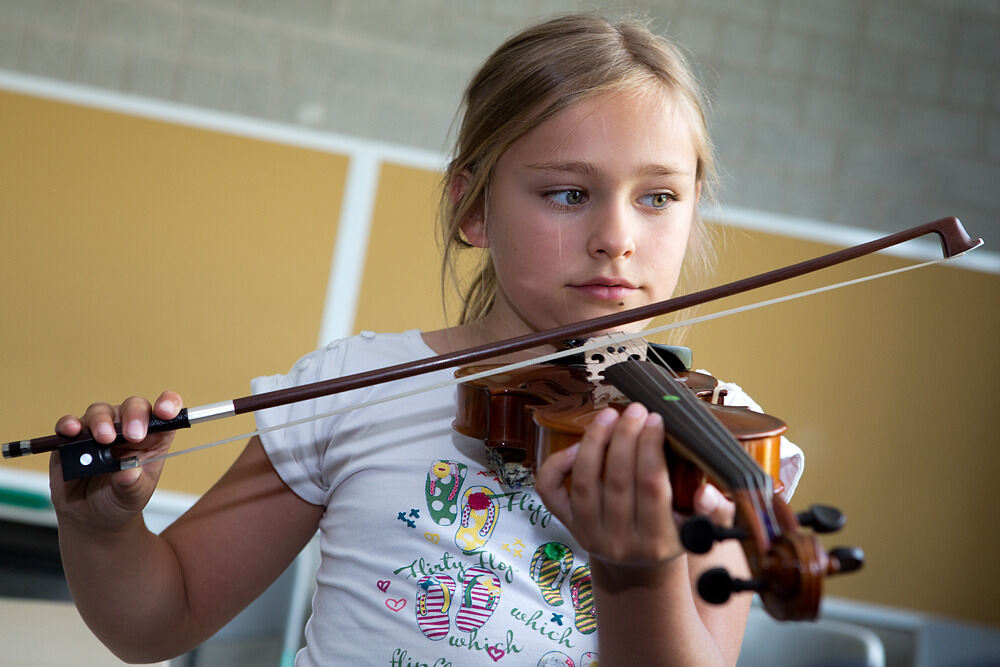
x=590, y=169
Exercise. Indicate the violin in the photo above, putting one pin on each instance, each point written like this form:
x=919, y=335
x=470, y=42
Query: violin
x=524, y=415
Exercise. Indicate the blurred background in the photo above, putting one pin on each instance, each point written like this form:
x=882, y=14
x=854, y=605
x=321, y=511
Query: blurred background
x=195, y=193
x=868, y=114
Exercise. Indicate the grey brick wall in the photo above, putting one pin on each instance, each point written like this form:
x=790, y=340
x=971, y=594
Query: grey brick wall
x=876, y=114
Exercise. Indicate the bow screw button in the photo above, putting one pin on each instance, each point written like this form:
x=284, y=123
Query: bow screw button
x=823, y=518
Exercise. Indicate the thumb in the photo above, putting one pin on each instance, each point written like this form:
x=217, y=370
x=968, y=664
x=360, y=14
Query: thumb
x=133, y=487
x=709, y=502
x=550, y=482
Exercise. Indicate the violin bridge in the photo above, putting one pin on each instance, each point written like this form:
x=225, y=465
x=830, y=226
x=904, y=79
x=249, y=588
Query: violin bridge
x=599, y=359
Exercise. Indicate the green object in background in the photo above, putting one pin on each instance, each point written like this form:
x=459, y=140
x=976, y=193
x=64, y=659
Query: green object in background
x=26, y=499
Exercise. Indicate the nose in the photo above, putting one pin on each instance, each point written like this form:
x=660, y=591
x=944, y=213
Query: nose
x=612, y=235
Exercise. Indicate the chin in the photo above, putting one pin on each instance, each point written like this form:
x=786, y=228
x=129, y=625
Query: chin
x=595, y=311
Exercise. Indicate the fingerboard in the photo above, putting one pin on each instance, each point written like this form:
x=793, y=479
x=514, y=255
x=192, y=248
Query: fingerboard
x=696, y=433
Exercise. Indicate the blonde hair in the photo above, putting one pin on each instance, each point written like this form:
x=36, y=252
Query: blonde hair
x=535, y=75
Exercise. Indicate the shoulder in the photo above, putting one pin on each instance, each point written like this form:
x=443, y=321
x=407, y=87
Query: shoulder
x=355, y=354
x=372, y=350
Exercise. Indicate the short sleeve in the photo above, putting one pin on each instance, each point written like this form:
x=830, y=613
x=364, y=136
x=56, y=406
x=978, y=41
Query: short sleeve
x=297, y=452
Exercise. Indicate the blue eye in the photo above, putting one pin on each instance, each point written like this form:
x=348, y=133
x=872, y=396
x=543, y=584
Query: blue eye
x=658, y=199
x=567, y=197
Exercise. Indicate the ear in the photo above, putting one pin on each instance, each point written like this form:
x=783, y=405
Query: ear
x=473, y=226
x=697, y=192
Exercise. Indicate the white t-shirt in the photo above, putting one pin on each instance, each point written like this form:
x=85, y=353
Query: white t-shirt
x=426, y=558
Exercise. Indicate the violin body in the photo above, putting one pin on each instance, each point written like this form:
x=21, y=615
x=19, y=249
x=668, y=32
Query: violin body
x=526, y=414
x=523, y=416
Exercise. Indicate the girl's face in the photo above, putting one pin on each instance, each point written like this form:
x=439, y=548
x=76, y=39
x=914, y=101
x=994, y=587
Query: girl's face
x=589, y=213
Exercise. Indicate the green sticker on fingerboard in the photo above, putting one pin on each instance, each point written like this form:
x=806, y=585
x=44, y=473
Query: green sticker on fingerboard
x=670, y=397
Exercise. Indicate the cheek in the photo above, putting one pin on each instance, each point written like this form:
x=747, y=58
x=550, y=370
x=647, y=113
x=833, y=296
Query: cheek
x=671, y=243
x=667, y=258
x=534, y=246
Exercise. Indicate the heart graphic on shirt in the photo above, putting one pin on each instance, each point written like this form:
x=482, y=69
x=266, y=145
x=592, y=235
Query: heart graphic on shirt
x=395, y=605
x=495, y=653
x=383, y=585
x=432, y=537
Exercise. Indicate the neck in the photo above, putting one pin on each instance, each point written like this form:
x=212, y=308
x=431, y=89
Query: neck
x=481, y=332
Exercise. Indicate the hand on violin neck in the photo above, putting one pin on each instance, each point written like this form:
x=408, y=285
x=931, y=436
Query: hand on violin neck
x=709, y=502
x=618, y=504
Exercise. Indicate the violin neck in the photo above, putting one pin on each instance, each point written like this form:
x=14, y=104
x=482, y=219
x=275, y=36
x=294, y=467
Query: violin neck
x=694, y=432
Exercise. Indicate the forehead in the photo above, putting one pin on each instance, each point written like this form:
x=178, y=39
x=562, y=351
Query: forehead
x=615, y=129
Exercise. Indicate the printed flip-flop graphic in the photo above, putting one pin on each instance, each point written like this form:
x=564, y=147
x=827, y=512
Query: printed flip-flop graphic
x=582, y=593
x=480, y=511
x=555, y=659
x=435, y=593
x=549, y=567
x=444, y=480
x=480, y=596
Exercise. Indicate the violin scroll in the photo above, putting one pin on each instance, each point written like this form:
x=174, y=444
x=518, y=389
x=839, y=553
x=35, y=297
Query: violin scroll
x=789, y=567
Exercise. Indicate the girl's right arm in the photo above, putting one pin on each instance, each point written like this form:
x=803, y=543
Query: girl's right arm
x=150, y=597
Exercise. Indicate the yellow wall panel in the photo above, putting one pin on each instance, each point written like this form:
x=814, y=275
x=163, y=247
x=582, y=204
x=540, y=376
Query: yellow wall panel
x=141, y=255
x=400, y=288
x=888, y=388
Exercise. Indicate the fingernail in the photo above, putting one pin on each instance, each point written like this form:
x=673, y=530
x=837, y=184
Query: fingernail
x=635, y=410
x=654, y=419
x=134, y=429
x=572, y=451
x=167, y=406
x=710, y=498
x=106, y=431
x=606, y=416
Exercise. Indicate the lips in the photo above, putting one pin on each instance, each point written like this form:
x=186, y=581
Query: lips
x=606, y=289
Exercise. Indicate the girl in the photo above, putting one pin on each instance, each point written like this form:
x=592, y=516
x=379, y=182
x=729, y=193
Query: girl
x=580, y=162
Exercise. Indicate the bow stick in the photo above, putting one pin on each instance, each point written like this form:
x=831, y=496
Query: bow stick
x=82, y=456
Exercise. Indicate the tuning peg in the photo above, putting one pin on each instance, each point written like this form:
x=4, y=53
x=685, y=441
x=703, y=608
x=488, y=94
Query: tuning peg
x=716, y=585
x=846, y=559
x=823, y=518
x=698, y=534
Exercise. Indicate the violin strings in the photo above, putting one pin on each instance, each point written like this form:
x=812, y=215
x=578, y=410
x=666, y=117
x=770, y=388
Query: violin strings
x=694, y=411
x=691, y=408
x=698, y=415
x=615, y=337
x=755, y=480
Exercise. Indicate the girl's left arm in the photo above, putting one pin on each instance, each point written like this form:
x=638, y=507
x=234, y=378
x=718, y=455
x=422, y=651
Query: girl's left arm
x=619, y=508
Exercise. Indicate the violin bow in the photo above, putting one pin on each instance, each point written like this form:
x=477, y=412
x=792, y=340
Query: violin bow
x=82, y=456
